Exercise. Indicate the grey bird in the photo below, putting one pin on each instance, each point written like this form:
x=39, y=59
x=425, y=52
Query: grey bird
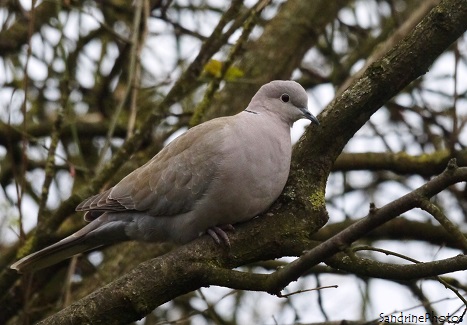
x=216, y=174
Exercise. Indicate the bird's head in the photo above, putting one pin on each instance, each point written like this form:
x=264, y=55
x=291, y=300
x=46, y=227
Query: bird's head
x=285, y=98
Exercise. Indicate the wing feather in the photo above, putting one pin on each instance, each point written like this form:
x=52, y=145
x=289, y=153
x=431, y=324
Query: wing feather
x=172, y=181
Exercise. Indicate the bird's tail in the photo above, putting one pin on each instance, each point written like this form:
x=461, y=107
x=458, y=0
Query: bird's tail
x=89, y=237
x=50, y=255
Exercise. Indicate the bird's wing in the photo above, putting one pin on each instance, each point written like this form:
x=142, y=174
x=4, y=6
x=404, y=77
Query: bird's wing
x=172, y=181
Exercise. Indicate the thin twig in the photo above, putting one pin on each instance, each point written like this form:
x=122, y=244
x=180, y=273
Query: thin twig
x=447, y=224
x=136, y=80
x=24, y=143
x=440, y=280
x=280, y=295
x=213, y=86
x=130, y=82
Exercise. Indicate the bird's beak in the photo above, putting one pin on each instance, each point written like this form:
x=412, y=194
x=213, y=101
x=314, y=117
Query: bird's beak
x=311, y=117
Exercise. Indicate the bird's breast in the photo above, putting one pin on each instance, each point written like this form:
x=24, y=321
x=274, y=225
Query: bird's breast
x=252, y=174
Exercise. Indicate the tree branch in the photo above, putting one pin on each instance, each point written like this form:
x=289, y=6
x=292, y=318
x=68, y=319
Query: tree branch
x=356, y=265
x=400, y=163
x=383, y=79
x=374, y=219
x=200, y=264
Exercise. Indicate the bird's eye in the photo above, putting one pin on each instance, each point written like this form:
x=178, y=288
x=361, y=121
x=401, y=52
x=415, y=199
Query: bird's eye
x=285, y=98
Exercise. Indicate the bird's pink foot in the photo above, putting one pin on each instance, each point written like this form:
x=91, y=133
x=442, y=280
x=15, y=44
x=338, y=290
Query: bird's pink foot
x=218, y=234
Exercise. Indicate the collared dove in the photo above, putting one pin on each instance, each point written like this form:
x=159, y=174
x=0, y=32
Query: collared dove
x=218, y=173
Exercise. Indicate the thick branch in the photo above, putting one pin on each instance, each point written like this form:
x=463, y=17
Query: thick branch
x=386, y=77
x=375, y=218
x=400, y=163
x=355, y=265
x=397, y=229
x=199, y=264
x=405, y=272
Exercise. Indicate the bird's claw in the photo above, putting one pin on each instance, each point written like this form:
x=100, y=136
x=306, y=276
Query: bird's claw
x=218, y=234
